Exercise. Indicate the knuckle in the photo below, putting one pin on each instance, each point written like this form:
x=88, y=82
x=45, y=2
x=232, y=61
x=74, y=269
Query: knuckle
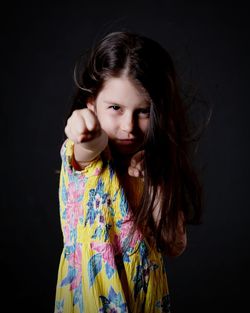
x=74, y=113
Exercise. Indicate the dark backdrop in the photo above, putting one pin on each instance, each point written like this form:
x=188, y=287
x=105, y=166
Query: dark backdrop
x=210, y=43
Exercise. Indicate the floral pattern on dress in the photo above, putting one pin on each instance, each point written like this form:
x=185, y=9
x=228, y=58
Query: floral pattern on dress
x=113, y=303
x=72, y=196
x=105, y=256
x=143, y=271
x=100, y=254
x=164, y=304
x=59, y=306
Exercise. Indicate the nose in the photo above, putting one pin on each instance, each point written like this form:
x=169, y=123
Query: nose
x=127, y=123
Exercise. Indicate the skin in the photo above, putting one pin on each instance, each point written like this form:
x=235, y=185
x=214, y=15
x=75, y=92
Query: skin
x=119, y=115
x=118, y=118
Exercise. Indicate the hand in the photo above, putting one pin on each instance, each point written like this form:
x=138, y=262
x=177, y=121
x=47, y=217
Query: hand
x=136, y=167
x=82, y=126
x=84, y=129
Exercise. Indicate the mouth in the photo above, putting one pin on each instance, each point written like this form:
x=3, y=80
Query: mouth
x=126, y=141
x=125, y=146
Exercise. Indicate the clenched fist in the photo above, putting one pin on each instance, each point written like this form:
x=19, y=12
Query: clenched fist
x=82, y=126
x=136, y=166
x=84, y=129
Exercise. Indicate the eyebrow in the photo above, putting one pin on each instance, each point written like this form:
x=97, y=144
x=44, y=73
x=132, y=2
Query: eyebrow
x=144, y=105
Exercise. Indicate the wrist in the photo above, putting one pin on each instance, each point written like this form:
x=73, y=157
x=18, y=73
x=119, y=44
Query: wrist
x=87, y=151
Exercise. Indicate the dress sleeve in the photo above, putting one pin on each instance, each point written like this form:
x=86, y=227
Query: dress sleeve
x=67, y=154
x=73, y=183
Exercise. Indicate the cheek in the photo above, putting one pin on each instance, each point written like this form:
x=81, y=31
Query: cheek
x=107, y=124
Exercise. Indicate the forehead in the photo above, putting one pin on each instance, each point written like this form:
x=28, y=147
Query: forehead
x=123, y=90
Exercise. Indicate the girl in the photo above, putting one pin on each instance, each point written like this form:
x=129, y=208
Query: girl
x=124, y=203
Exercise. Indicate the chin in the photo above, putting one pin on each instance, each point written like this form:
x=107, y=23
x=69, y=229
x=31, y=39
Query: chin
x=124, y=150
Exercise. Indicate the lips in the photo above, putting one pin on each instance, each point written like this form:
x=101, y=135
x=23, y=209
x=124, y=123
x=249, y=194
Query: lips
x=125, y=146
x=126, y=141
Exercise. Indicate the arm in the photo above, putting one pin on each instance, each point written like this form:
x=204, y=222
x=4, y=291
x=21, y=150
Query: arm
x=89, y=139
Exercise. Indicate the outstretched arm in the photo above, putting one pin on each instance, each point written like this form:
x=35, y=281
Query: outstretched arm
x=83, y=128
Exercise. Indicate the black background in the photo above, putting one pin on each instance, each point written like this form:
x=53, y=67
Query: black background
x=40, y=42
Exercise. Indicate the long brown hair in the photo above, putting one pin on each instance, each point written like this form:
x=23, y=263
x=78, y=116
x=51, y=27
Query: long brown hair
x=170, y=142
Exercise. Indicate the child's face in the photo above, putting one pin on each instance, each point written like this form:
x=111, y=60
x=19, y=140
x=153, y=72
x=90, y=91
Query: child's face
x=123, y=113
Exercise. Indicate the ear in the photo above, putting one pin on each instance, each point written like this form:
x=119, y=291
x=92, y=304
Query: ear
x=91, y=104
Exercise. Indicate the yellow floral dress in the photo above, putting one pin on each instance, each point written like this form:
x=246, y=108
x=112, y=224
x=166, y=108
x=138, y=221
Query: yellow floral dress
x=101, y=268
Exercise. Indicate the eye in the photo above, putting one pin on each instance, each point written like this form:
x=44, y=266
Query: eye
x=115, y=107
